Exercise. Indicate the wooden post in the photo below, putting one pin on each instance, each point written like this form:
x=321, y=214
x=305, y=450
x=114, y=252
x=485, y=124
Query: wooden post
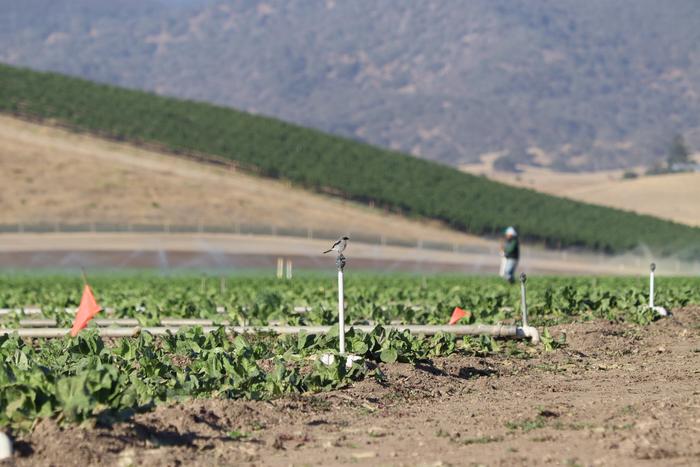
x=280, y=268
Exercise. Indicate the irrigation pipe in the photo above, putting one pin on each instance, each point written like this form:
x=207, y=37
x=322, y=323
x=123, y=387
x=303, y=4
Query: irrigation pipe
x=514, y=332
x=49, y=323
x=72, y=311
x=177, y=322
x=659, y=309
x=340, y=261
x=523, y=300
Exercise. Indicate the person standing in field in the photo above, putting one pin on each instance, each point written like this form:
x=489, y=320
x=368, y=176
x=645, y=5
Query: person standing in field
x=510, y=252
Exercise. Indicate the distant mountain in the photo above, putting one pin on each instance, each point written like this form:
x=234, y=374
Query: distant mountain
x=592, y=84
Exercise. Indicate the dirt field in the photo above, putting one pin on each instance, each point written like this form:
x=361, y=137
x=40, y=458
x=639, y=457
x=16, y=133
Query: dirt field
x=51, y=175
x=617, y=394
x=671, y=197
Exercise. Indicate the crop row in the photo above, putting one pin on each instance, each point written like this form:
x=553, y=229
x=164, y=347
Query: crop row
x=73, y=379
x=378, y=299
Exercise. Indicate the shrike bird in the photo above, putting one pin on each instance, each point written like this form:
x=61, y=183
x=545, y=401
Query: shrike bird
x=339, y=245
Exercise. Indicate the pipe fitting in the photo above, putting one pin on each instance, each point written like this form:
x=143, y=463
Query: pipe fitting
x=530, y=332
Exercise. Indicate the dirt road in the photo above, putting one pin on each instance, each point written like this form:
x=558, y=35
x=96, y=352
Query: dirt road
x=617, y=394
x=164, y=251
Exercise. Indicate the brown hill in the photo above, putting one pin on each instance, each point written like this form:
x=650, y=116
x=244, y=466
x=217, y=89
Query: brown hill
x=52, y=175
x=672, y=196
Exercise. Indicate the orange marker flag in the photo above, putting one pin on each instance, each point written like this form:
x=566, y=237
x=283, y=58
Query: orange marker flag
x=458, y=314
x=86, y=311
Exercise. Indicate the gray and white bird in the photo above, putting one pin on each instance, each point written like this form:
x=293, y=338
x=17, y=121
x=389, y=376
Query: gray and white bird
x=339, y=246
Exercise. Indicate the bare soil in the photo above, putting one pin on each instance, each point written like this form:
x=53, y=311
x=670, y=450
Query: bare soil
x=617, y=394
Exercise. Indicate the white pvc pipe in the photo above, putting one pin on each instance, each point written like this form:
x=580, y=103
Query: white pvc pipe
x=37, y=323
x=47, y=322
x=72, y=311
x=659, y=309
x=63, y=332
x=219, y=309
x=497, y=330
x=39, y=311
x=116, y=322
x=167, y=322
x=20, y=311
x=5, y=446
x=523, y=301
x=341, y=312
x=188, y=322
x=651, y=285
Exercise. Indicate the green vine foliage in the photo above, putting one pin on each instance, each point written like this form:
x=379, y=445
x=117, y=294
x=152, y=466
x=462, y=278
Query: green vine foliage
x=334, y=165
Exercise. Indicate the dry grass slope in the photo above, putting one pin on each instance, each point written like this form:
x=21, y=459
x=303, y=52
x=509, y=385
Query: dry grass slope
x=673, y=197
x=51, y=175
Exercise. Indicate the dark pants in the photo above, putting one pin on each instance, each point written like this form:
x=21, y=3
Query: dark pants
x=509, y=270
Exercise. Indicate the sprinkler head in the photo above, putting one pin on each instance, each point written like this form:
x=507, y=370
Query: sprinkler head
x=523, y=277
x=653, y=267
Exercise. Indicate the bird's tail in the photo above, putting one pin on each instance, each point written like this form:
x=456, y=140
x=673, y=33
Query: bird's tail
x=328, y=251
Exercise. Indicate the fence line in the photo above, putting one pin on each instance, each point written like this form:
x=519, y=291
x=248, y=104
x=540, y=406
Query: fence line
x=624, y=262
x=238, y=229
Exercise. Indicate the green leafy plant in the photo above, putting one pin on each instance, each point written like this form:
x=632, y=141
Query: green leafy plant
x=549, y=344
x=73, y=379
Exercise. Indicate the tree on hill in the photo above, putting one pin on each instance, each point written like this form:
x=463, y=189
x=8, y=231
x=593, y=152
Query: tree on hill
x=506, y=163
x=678, y=152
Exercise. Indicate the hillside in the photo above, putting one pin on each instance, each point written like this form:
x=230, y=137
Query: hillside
x=603, y=83
x=334, y=165
x=51, y=175
x=672, y=196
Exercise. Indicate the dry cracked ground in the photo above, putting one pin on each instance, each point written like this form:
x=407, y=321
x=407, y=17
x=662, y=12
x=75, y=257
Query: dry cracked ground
x=616, y=394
